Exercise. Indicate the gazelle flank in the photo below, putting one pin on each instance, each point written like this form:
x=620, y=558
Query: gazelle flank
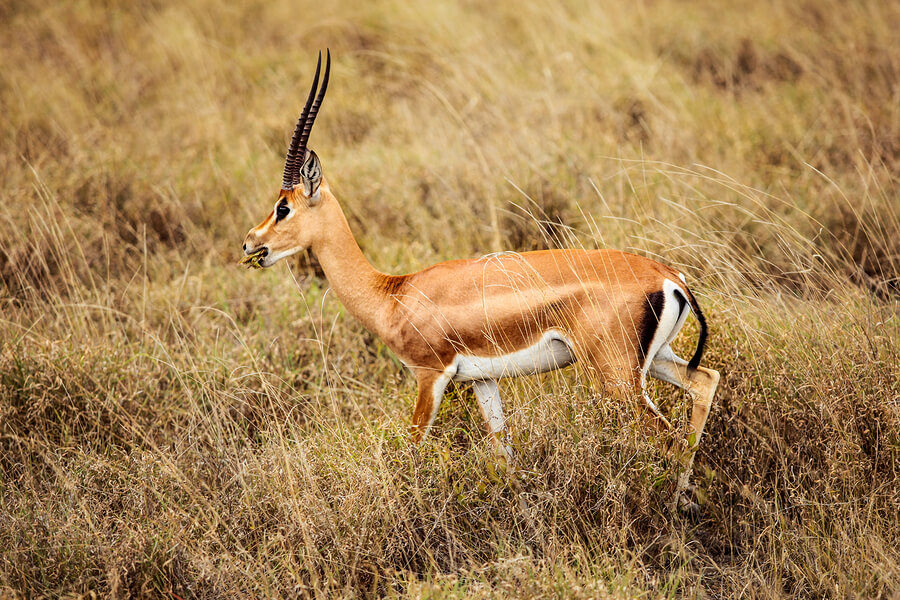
x=503, y=315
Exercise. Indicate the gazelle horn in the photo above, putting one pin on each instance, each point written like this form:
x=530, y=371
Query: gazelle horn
x=296, y=153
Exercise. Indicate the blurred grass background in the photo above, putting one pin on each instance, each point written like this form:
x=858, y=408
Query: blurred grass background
x=172, y=425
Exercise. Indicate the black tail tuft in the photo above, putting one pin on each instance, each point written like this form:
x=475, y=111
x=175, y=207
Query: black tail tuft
x=701, y=343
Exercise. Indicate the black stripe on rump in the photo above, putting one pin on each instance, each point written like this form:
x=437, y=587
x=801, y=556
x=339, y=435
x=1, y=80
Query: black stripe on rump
x=650, y=322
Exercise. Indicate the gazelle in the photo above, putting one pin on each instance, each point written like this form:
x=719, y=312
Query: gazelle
x=502, y=315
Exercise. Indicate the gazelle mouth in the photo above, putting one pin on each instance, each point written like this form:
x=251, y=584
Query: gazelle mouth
x=254, y=259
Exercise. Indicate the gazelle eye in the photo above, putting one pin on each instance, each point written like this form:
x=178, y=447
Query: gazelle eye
x=282, y=211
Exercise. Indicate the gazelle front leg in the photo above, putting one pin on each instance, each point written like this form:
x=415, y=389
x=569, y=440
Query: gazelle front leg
x=488, y=394
x=432, y=385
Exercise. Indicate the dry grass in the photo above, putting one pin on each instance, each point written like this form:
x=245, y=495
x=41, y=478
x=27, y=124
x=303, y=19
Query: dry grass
x=173, y=425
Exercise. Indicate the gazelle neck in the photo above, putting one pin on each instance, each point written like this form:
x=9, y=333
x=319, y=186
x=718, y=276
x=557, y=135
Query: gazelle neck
x=358, y=285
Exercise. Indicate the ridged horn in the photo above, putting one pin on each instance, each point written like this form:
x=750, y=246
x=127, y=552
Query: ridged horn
x=300, y=157
x=291, y=165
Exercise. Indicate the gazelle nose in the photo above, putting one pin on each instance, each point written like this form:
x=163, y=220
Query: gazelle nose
x=245, y=246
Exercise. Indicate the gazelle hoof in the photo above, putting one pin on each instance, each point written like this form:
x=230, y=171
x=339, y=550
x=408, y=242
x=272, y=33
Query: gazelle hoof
x=691, y=510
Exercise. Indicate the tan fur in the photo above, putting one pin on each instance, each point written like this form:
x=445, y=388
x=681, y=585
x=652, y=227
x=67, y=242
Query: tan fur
x=489, y=306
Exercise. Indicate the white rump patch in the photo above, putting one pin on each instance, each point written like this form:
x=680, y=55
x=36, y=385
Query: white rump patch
x=670, y=322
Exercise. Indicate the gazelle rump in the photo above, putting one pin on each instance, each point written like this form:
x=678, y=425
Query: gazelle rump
x=502, y=315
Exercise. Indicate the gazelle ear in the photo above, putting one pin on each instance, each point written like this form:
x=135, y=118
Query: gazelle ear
x=311, y=175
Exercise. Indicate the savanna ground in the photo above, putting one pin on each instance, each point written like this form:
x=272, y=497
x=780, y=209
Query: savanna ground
x=173, y=425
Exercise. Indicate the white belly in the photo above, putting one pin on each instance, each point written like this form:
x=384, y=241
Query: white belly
x=552, y=351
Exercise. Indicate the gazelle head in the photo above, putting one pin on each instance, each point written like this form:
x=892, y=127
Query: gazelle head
x=293, y=222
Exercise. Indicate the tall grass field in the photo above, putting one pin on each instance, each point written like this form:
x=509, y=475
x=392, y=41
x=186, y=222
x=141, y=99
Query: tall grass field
x=175, y=426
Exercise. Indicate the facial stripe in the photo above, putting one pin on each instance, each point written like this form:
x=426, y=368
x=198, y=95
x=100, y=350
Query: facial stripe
x=260, y=229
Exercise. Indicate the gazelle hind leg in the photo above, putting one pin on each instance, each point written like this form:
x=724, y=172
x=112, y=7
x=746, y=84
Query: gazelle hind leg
x=619, y=376
x=653, y=416
x=488, y=394
x=656, y=419
x=701, y=384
